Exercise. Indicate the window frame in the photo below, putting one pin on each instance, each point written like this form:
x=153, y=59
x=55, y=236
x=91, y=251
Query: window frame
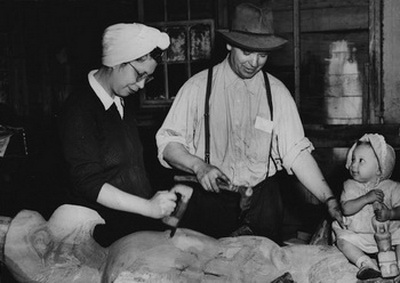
x=145, y=102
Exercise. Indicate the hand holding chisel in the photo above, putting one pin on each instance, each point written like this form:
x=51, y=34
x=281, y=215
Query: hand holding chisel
x=183, y=194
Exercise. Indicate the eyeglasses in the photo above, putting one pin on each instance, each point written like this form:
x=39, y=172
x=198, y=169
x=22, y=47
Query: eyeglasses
x=140, y=77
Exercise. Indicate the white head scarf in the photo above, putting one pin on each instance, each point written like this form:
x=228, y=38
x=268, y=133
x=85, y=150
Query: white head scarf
x=126, y=42
x=384, y=152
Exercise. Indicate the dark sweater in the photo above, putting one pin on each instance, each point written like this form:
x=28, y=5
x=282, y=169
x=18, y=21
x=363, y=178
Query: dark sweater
x=100, y=147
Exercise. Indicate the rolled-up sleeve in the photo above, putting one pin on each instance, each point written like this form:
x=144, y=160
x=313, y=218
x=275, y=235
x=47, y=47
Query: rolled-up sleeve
x=291, y=155
x=289, y=139
x=180, y=123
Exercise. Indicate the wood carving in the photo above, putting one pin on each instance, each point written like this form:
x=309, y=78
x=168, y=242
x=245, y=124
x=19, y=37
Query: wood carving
x=63, y=250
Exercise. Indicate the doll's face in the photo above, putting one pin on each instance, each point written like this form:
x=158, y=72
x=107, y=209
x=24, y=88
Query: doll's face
x=364, y=166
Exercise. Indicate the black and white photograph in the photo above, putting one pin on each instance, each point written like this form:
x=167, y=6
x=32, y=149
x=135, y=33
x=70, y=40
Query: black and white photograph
x=199, y=141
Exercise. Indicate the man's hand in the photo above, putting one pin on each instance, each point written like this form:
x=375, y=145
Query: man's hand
x=335, y=211
x=210, y=177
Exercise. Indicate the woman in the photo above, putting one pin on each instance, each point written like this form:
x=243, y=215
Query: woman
x=100, y=138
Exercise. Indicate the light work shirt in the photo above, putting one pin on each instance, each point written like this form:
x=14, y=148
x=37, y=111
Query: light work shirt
x=240, y=125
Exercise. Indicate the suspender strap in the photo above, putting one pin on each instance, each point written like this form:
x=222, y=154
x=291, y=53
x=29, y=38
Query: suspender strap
x=207, y=117
x=207, y=111
x=269, y=95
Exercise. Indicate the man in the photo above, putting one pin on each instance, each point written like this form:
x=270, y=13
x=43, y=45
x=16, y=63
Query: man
x=253, y=133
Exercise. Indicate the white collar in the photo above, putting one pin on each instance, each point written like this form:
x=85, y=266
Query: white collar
x=104, y=97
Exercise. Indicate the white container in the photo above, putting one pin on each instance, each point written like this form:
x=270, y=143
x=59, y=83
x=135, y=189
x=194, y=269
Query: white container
x=343, y=91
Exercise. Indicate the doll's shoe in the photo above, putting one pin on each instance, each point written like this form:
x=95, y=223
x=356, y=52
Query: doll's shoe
x=367, y=272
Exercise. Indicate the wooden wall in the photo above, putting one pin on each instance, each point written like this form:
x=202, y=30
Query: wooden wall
x=391, y=61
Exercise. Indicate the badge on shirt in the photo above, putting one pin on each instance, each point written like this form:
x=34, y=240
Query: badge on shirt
x=264, y=124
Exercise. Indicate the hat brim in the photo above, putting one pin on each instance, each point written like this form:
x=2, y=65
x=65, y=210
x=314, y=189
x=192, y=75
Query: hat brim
x=253, y=42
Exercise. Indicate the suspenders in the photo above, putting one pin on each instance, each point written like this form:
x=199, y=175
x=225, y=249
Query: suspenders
x=207, y=117
x=207, y=111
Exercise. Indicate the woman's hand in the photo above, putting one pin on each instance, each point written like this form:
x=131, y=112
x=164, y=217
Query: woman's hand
x=375, y=195
x=162, y=204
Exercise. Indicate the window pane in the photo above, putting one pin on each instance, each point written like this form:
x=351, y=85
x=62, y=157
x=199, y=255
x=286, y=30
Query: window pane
x=178, y=48
x=200, y=42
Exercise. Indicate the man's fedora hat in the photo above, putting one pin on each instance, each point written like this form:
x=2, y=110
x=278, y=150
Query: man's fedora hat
x=252, y=29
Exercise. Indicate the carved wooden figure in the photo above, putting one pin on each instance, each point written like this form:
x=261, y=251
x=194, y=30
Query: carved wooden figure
x=63, y=250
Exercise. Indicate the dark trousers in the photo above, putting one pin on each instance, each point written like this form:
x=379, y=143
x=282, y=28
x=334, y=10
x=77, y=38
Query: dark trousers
x=219, y=214
x=265, y=216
